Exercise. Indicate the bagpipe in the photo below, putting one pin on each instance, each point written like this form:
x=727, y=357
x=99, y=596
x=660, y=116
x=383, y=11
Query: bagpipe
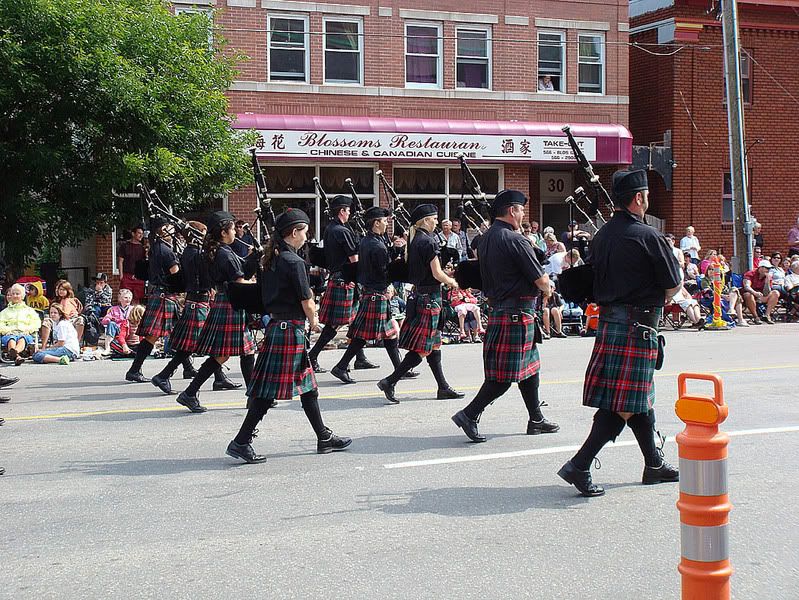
x=467, y=272
x=263, y=212
x=401, y=217
x=316, y=252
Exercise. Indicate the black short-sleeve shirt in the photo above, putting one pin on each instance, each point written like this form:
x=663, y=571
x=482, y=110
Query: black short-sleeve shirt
x=373, y=262
x=508, y=265
x=285, y=284
x=633, y=263
x=421, y=250
x=196, y=272
x=162, y=258
x=226, y=266
x=340, y=243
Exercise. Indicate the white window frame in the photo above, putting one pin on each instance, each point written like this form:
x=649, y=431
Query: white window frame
x=307, y=47
x=563, y=59
x=489, y=54
x=359, y=22
x=440, y=55
x=602, y=60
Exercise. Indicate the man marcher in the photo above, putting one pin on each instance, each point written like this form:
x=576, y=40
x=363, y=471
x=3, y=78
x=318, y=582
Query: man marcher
x=512, y=277
x=619, y=379
x=128, y=254
x=341, y=247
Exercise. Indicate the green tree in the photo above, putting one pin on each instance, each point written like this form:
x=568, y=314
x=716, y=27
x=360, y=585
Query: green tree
x=98, y=95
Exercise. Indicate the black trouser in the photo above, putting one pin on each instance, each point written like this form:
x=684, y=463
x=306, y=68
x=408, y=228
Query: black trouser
x=491, y=390
x=310, y=404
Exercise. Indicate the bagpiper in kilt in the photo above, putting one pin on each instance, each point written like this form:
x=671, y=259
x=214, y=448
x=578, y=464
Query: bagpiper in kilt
x=511, y=279
x=420, y=333
x=635, y=271
x=187, y=330
x=162, y=309
x=283, y=367
x=373, y=318
x=224, y=333
x=339, y=303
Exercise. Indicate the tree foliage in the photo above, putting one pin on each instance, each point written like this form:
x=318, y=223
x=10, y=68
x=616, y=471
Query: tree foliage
x=98, y=95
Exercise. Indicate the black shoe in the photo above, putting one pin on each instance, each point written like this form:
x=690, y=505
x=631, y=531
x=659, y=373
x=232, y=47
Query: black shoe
x=469, y=426
x=448, y=393
x=2, y=421
x=333, y=443
x=665, y=473
x=542, y=426
x=4, y=399
x=245, y=452
x=315, y=366
x=225, y=384
x=342, y=375
x=136, y=377
x=162, y=383
x=189, y=373
x=7, y=381
x=410, y=375
x=581, y=480
x=191, y=402
x=388, y=389
x=365, y=364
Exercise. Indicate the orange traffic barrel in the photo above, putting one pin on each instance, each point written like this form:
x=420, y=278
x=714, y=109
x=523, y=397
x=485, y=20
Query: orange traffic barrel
x=704, y=502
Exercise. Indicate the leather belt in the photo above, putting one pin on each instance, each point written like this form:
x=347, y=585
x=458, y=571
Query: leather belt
x=197, y=296
x=628, y=314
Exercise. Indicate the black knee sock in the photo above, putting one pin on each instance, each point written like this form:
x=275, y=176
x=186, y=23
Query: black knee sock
x=172, y=365
x=392, y=349
x=643, y=426
x=186, y=362
x=410, y=361
x=434, y=362
x=607, y=426
x=328, y=333
x=360, y=356
x=310, y=404
x=529, y=390
x=206, y=370
x=251, y=420
x=489, y=391
x=142, y=352
x=355, y=347
x=247, y=363
x=219, y=374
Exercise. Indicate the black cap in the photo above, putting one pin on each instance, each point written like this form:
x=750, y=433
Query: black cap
x=291, y=217
x=216, y=219
x=422, y=211
x=627, y=183
x=100, y=277
x=375, y=212
x=340, y=201
x=507, y=198
x=157, y=223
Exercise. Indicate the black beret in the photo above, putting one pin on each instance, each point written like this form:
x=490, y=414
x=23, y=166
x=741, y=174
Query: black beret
x=291, y=217
x=627, y=183
x=375, y=212
x=216, y=219
x=340, y=201
x=157, y=223
x=507, y=198
x=422, y=211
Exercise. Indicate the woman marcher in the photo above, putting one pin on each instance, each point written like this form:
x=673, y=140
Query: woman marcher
x=420, y=333
x=224, y=333
x=283, y=366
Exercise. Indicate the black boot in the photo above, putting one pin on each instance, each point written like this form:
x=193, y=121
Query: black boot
x=385, y=386
x=665, y=473
x=542, y=426
x=331, y=443
x=189, y=372
x=191, y=402
x=581, y=480
x=134, y=374
x=222, y=382
x=162, y=383
x=245, y=451
x=342, y=375
x=469, y=426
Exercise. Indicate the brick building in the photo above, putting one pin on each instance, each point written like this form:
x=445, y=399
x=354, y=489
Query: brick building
x=682, y=97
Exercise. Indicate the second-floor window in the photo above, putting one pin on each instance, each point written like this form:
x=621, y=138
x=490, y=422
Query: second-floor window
x=551, y=61
x=746, y=79
x=288, y=48
x=423, y=50
x=473, y=58
x=591, y=74
x=343, y=51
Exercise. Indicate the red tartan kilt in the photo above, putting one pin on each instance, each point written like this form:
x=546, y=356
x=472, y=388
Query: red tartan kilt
x=225, y=331
x=187, y=331
x=373, y=319
x=509, y=350
x=160, y=315
x=282, y=369
x=337, y=309
x=420, y=334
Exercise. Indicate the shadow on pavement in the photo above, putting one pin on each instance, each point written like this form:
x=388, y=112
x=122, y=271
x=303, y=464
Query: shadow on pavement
x=388, y=444
x=134, y=468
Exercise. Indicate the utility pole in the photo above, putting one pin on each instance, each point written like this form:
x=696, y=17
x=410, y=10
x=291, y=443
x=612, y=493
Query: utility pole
x=742, y=227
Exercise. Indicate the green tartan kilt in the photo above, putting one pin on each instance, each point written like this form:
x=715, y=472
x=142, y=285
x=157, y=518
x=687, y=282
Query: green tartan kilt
x=421, y=333
x=620, y=374
x=510, y=353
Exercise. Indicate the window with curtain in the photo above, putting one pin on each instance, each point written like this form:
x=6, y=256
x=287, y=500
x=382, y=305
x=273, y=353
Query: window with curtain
x=423, y=55
x=343, y=51
x=288, y=48
x=591, y=63
x=473, y=58
x=551, y=61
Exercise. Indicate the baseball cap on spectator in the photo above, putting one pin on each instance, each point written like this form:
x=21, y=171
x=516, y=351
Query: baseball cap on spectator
x=104, y=277
x=765, y=264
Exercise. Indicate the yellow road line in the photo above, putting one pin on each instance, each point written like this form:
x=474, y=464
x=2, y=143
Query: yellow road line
x=241, y=403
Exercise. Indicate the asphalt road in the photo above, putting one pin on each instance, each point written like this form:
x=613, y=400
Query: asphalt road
x=114, y=491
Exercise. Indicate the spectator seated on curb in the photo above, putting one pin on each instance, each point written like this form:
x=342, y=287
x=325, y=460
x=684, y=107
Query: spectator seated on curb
x=777, y=275
x=706, y=261
x=731, y=301
x=35, y=298
x=464, y=302
x=757, y=290
x=552, y=315
x=691, y=282
x=18, y=326
x=690, y=307
x=98, y=298
x=65, y=340
x=71, y=307
x=116, y=323
x=792, y=289
x=126, y=346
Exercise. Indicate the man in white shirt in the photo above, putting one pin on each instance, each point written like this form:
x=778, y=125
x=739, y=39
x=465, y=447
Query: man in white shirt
x=690, y=244
x=451, y=239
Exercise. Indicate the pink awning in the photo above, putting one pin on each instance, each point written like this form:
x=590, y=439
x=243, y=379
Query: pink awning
x=370, y=138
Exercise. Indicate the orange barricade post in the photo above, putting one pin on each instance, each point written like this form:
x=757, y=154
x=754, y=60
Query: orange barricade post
x=704, y=504
x=717, y=323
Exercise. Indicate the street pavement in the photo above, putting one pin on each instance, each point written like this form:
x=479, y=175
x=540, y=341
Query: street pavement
x=112, y=490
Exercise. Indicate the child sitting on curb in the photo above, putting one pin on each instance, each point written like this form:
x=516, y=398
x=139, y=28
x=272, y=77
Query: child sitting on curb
x=116, y=323
x=65, y=340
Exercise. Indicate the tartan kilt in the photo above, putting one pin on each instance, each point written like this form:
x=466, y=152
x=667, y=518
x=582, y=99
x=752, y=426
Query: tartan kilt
x=225, y=331
x=187, y=330
x=620, y=374
x=337, y=303
x=509, y=350
x=373, y=319
x=421, y=334
x=282, y=369
x=160, y=315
